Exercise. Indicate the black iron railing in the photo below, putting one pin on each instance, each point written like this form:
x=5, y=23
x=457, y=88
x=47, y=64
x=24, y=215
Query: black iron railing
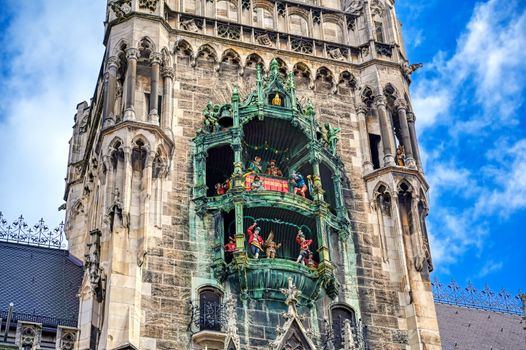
x=470, y=297
x=45, y=320
x=334, y=336
x=39, y=234
x=209, y=316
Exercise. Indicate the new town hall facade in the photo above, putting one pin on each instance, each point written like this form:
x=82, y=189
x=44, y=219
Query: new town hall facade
x=247, y=176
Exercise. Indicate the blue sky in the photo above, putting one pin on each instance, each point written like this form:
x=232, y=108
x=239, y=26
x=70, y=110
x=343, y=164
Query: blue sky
x=468, y=98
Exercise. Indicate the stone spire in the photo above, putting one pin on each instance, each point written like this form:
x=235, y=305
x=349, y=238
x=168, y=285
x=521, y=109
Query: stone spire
x=293, y=334
x=232, y=338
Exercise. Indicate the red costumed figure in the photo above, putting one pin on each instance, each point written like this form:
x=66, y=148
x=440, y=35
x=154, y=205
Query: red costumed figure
x=219, y=189
x=304, y=247
x=255, y=242
x=310, y=262
x=230, y=247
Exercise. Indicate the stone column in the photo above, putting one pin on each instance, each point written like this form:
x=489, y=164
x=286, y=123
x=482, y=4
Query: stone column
x=110, y=87
x=387, y=134
x=131, y=76
x=414, y=142
x=168, y=74
x=401, y=106
x=361, y=110
x=153, y=113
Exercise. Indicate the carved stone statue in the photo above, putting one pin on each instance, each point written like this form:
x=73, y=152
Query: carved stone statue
x=211, y=120
x=400, y=155
x=115, y=211
x=354, y=7
x=332, y=137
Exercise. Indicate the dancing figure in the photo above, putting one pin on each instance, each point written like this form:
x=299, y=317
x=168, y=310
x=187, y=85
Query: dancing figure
x=299, y=185
x=304, y=247
x=272, y=169
x=271, y=246
x=255, y=166
x=255, y=241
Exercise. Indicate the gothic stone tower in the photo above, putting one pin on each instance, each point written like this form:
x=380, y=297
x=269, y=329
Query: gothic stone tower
x=203, y=116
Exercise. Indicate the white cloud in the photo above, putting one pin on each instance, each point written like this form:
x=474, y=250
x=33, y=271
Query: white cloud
x=490, y=267
x=508, y=194
x=55, y=49
x=489, y=59
x=484, y=72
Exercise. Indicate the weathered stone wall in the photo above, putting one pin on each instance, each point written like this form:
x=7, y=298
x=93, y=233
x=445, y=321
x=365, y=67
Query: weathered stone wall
x=179, y=262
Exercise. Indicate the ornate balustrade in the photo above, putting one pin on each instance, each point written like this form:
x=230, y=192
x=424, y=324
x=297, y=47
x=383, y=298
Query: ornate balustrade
x=470, y=297
x=264, y=278
x=273, y=39
x=39, y=234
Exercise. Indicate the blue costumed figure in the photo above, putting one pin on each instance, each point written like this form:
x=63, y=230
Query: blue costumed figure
x=298, y=182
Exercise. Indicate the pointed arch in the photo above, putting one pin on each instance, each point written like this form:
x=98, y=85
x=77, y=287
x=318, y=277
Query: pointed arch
x=146, y=47
x=324, y=78
x=347, y=80
x=120, y=47
x=333, y=27
x=405, y=186
x=253, y=60
x=283, y=67
x=114, y=145
x=303, y=75
x=367, y=95
x=183, y=48
x=230, y=56
x=381, y=188
x=391, y=92
x=207, y=53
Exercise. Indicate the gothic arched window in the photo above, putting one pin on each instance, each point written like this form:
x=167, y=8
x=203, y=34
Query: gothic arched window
x=263, y=18
x=379, y=31
x=210, y=309
x=298, y=25
x=226, y=10
x=332, y=32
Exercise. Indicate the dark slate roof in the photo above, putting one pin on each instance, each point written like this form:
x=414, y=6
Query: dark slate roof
x=42, y=282
x=473, y=329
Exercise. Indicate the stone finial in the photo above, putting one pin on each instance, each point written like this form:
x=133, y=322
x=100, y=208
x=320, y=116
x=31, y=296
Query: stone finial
x=291, y=292
x=66, y=338
x=232, y=341
x=348, y=336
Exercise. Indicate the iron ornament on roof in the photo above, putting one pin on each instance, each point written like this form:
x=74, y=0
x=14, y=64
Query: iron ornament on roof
x=39, y=234
x=470, y=297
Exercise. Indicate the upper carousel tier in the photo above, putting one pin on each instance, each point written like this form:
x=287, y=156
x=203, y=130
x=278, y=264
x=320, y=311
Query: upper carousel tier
x=267, y=144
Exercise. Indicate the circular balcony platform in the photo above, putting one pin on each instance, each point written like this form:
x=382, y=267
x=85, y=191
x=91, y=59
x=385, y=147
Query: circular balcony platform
x=264, y=279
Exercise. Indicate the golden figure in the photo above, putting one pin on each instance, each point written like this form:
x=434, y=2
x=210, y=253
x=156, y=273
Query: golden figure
x=276, y=101
x=271, y=246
